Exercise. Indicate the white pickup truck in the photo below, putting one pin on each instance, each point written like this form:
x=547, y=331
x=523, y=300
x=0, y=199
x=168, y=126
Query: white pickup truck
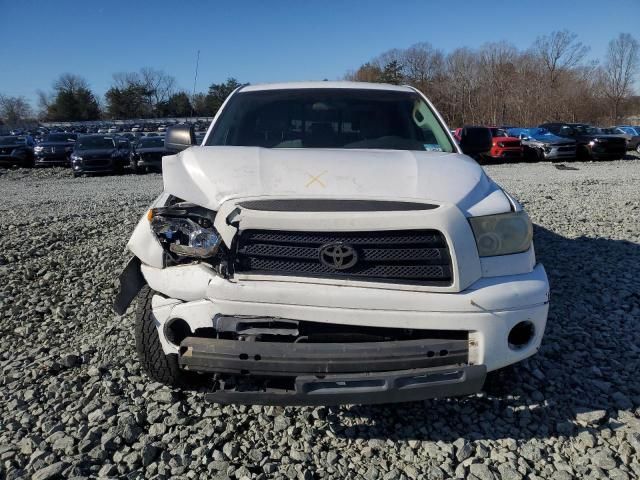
x=329, y=243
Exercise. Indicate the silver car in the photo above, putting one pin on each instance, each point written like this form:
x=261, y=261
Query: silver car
x=540, y=144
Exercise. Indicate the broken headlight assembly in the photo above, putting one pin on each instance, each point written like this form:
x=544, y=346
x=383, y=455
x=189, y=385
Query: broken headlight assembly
x=185, y=229
x=502, y=234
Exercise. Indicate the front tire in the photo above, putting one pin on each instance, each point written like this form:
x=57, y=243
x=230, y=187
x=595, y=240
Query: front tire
x=159, y=366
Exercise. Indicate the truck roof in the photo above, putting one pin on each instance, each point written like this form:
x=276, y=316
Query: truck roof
x=339, y=84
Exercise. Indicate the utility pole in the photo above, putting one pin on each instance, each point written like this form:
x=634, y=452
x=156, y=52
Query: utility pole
x=195, y=79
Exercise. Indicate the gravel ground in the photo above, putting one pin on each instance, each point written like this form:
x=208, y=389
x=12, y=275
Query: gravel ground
x=74, y=402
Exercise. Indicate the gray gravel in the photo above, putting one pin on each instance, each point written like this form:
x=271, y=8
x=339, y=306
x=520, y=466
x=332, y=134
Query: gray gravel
x=74, y=402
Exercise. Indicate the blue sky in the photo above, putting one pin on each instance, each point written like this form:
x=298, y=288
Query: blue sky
x=266, y=41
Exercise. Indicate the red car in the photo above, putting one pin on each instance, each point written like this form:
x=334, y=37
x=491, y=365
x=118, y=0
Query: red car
x=504, y=147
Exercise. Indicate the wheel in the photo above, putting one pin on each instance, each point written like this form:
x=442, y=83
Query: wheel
x=539, y=155
x=134, y=166
x=160, y=367
x=638, y=148
x=28, y=162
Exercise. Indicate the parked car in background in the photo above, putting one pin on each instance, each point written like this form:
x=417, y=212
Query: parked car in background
x=17, y=150
x=504, y=146
x=540, y=144
x=98, y=153
x=162, y=128
x=458, y=133
x=136, y=128
x=147, y=154
x=114, y=129
x=628, y=133
x=591, y=143
x=54, y=149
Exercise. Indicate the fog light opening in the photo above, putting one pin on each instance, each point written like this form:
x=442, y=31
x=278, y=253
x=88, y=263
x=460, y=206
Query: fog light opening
x=521, y=335
x=176, y=330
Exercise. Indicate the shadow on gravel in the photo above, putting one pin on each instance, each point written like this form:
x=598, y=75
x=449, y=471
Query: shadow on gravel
x=589, y=360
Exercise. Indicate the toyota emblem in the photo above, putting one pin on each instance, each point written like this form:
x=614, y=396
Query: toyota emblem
x=338, y=256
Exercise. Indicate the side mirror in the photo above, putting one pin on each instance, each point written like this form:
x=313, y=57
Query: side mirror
x=474, y=140
x=179, y=137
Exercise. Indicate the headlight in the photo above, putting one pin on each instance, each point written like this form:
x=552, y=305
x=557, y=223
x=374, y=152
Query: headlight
x=502, y=234
x=592, y=143
x=501, y=144
x=76, y=158
x=186, y=230
x=38, y=149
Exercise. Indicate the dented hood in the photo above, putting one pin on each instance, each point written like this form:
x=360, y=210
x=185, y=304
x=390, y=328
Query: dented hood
x=209, y=176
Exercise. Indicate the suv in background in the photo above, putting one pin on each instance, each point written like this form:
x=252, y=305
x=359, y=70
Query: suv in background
x=540, y=144
x=17, y=150
x=328, y=243
x=591, y=142
x=55, y=149
x=504, y=146
x=628, y=133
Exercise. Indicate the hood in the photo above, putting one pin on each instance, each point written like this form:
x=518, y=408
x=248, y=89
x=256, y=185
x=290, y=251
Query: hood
x=55, y=144
x=208, y=176
x=552, y=139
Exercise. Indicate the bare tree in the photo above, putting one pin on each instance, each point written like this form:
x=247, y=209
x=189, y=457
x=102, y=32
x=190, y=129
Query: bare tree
x=621, y=65
x=560, y=51
x=159, y=83
x=70, y=82
x=422, y=65
x=14, y=110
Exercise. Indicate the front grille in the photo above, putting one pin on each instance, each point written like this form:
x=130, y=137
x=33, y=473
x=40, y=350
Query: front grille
x=151, y=157
x=96, y=162
x=511, y=143
x=398, y=256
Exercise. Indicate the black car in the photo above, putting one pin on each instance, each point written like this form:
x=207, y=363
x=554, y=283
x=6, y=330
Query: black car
x=55, y=149
x=99, y=153
x=147, y=154
x=591, y=142
x=16, y=150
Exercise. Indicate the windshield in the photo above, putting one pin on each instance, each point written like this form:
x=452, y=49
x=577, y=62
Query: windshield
x=11, y=140
x=540, y=132
x=88, y=143
x=586, y=129
x=60, y=137
x=330, y=118
x=151, y=142
x=498, y=132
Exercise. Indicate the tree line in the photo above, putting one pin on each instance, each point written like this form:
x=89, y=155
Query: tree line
x=494, y=84
x=148, y=93
x=497, y=84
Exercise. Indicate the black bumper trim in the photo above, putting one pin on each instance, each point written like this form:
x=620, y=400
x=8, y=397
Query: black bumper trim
x=131, y=281
x=364, y=388
x=293, y=359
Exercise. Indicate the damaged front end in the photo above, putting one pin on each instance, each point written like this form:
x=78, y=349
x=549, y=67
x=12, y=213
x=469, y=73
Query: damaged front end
x=288, y=362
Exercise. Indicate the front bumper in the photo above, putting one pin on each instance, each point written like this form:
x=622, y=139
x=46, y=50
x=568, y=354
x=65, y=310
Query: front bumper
x=554, y=153
x=506, y=153
x=12, y=159
x=96, y=165
x=52, y=159
x=363, y=388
